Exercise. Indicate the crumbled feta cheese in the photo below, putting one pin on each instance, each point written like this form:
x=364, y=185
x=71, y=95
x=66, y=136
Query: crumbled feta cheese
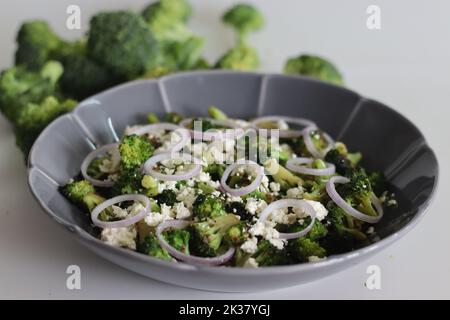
x=155, y=218
x=268, y=232
x=166, y=185
x=315, y=259
x=255, y=206
x=187, y=196
x=275, y=187
x=321, y=211
x=251, y=263
x=120, y=237
x=118, y=212
x=250, y=245
x=294, y=193
x=370, y=230
x=181, y=211
x=392, y=203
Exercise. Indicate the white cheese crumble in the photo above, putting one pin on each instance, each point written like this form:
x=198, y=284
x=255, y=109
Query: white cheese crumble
x=187, y=196
x=321, y=211
x=294, y=193
x=181, y=211
x=251, y=263
x=255, y=206
x=120, y=237
x=155, y=218
x=275, y=187
x=250, y=246
x=268, y=232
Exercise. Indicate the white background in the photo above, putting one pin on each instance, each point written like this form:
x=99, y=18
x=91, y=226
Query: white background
x=406, y=65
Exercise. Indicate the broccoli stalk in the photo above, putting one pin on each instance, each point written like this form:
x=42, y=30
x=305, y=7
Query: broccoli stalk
x=281, y=175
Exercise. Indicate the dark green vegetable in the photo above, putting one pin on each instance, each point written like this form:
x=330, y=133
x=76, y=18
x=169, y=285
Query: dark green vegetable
x=268, y=255
x=315, y=67
x=134, y=151
x=150, y=246
x=208, y=206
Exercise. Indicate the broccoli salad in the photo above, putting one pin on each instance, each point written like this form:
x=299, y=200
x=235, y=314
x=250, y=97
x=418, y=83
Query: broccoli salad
x=269, y=191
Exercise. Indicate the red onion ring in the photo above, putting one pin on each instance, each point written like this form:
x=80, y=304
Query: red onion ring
x=179, y=224
x=234, y=131
x=286, y=133
x=294, y=164
x=334, y=195
x=184, y=134
x=125, y=222
x=310, y=144
x=151, y=162
x=89, y=158
x=244, y=190
x=295, y=203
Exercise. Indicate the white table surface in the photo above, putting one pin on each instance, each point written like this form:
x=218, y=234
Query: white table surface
x=406, y=64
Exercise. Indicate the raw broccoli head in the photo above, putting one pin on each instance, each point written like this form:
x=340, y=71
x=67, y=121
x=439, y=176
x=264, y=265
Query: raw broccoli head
x=208, y=206
x=241, y=57
x=82, y=194
x=150, y=246
x=122, y=42
x=315, y=67
x=134, y=151
x=302, y=248
x=179, y=239
x=186, y=54
x=36, y=44
x=207, y=235
x=268, y=255
x=243, y=18
x=237, y=234
x=19, y=87
x=168, y=197
x=33, y=118
x=84, y=77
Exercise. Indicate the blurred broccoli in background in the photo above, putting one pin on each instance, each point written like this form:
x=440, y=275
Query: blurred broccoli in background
x=315, y=67
x=243, y=19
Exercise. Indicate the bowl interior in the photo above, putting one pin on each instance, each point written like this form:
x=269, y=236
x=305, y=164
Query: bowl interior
x=388, y=141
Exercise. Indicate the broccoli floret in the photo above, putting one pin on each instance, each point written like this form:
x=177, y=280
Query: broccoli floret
x=241, y=57
x=207, y=235
x=179, y=239
x=82, y=193
x=150, y=185
x=134, y=151
x=173, y=117
x=243, y=18
x=205, y=188
x=237, y=234
x=215, y=170
x=33, y=118
x=281, y=175
x=208, y=206
x=122, y=42
x=184, y=55
x=268, y=255
x=151, y=247
x=315, y=67
x=314, y=190
x=152, y=118
x=216, y=113
x=302, y=248
x=238, y=208
x=168, y=197
x=128, y=182
x=19, y=87
x=318, y=231
x=378, y=183
x=84, y=77
x=343, y=166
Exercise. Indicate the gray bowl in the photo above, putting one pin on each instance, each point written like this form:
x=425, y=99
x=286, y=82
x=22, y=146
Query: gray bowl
x=388, y=141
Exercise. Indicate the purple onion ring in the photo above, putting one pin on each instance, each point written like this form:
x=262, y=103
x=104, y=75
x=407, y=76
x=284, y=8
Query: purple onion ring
x=334, y=195
x=244, y=190
x=125, y=222
x=151, y=162
x=180, y=224
x=295, y=164
x=310, y=144
x=89, y=158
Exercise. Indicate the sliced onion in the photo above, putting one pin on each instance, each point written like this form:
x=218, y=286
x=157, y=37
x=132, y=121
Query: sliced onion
x=244, y=190
x=286, y=133
x=234, y=131
x=151, y=162
x=310, y=144
x=334, y=195
x=125, y=222
x=182, y=132
x=294, y=203
x=295, y=164
x=89, y=158
x=180, y=224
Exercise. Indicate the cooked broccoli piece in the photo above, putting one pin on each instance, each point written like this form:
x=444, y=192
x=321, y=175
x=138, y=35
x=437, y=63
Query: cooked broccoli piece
x=237, y=234
x=216, y=113
x=243, y=18
x=207, y=235
x=238, y=208
x=302, y=248
x=315, y=67
x=314, y=190
x=33, y=118
x=268, y=255
x=318, y=231
x=84, y=77
x=150, y=185
x=93, y=169
x=343, y=166
x=19, y=87
x=281, y=175
x=378, y=183
x=152, y=118
x=215, y=170
x=134, y=151
x=129, y=182
x=167, y=19
x=168, y=197
x=122, y=42
x=151, y=247
x=82, y=193
x=358, y=192
x=179, y=239
x=173, y=117
x=208, y=206
x=241, y=57
x=204, y=187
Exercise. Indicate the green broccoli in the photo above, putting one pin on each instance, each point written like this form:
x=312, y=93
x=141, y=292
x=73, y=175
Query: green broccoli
x=150, y=186
x=378, y=183
x=19, y=87
x=122, y=42
x=241, y=57
x=238, y=208
x=82, y=193
x=33, y=118
x=268, y=255
x=343, y=165
x=243, y=18
x=208, y=206
x=216, y=113
x=315, y=67
x=281, y=175
x=168, y=197
x=302, y=248
x=237, y=234
x=128, y=182
x=314, y=190
x=179, y=239
x=173, y=117
x=150, y=246
x=215, y=170
x=186, y=54
x=207, y=235
x=134, y=151
x=152, y=118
